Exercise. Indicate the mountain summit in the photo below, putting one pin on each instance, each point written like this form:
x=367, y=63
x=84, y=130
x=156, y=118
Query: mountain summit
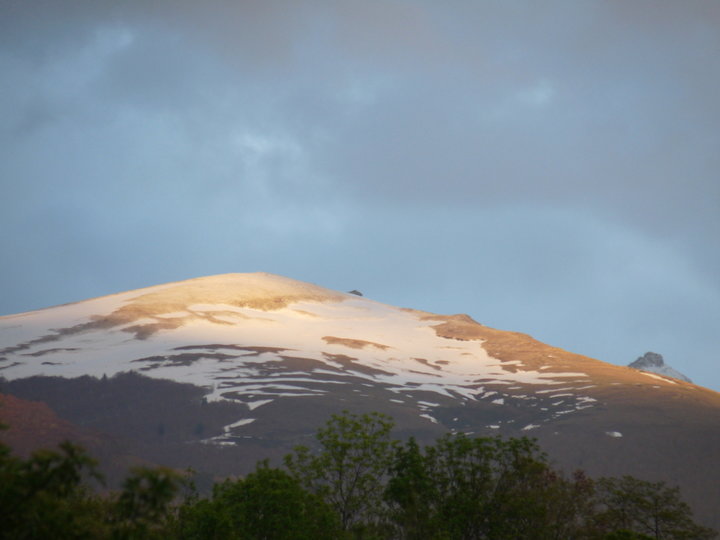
x=655, y=363
x=220, y=371
x=250, y=337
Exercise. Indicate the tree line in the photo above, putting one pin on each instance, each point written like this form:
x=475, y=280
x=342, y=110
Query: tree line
x=357, y=482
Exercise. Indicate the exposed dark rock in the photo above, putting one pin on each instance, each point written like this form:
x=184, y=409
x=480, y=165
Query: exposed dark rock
x=649, y=359
x=654, y=362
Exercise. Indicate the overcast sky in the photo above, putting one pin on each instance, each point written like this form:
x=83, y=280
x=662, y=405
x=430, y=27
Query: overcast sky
x=546, y=167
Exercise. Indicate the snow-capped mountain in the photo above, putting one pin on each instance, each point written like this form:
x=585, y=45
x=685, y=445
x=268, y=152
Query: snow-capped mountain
x=257, y=338
x=655, y=363
x=240, y=367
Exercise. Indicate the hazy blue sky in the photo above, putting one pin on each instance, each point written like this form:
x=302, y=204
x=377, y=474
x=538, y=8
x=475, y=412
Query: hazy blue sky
x=547, y=167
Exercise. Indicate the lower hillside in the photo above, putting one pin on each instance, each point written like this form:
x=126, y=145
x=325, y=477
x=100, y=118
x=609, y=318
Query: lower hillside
x=355, y=482
x=130, y=419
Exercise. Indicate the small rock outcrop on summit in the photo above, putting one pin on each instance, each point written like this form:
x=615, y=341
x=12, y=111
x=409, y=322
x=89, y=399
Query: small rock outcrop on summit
x=655, y=363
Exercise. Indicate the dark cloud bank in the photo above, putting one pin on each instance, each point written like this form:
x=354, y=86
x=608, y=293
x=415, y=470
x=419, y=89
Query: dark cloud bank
x=550, y=167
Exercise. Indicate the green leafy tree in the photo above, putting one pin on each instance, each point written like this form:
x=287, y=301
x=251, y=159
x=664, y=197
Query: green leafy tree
x=44, y=496
x=522, y=486
x=647, y=508
x=201, y=519
x=463, y=471
x=569, y=505
x=487, y=485
x=477, y=488
x=268, y=503
x=143, y=509
x=412, y=494
x=355, y=453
